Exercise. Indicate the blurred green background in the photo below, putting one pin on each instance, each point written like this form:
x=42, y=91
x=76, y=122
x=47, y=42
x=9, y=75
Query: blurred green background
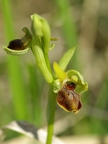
x=23, y=91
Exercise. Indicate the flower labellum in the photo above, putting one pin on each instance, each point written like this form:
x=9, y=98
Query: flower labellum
x=68, y=99
x=16, y=44
x=19, y=46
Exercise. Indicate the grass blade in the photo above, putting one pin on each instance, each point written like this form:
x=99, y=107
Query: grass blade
x=13, y=66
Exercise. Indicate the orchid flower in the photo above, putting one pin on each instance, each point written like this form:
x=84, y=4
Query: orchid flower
x=68, y=87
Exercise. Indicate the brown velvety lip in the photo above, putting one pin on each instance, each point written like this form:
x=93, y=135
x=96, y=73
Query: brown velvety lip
x=68, y=99
x=16, y=44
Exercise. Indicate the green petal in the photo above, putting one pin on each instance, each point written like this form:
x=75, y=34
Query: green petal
x=77, y=78
x=82, y=88
x=60, y=73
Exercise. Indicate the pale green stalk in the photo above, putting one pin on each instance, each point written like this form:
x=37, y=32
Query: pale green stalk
x=51, y=106
x=51, y=97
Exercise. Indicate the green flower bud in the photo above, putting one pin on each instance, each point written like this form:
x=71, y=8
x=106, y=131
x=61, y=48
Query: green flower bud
x=41, y=28
x=46, y=36
x=41, y=44
x=37, y=25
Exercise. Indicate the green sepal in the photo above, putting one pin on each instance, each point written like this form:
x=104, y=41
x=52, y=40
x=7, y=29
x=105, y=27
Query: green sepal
x=66, y=58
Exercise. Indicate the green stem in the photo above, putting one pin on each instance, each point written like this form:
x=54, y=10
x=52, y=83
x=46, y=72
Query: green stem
x=50, y=114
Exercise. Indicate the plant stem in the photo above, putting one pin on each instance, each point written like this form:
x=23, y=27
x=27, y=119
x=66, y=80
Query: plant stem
x=50, y=114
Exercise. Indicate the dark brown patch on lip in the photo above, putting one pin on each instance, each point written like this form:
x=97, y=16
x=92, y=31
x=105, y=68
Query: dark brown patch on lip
x=70, y=85
x=16, y=44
